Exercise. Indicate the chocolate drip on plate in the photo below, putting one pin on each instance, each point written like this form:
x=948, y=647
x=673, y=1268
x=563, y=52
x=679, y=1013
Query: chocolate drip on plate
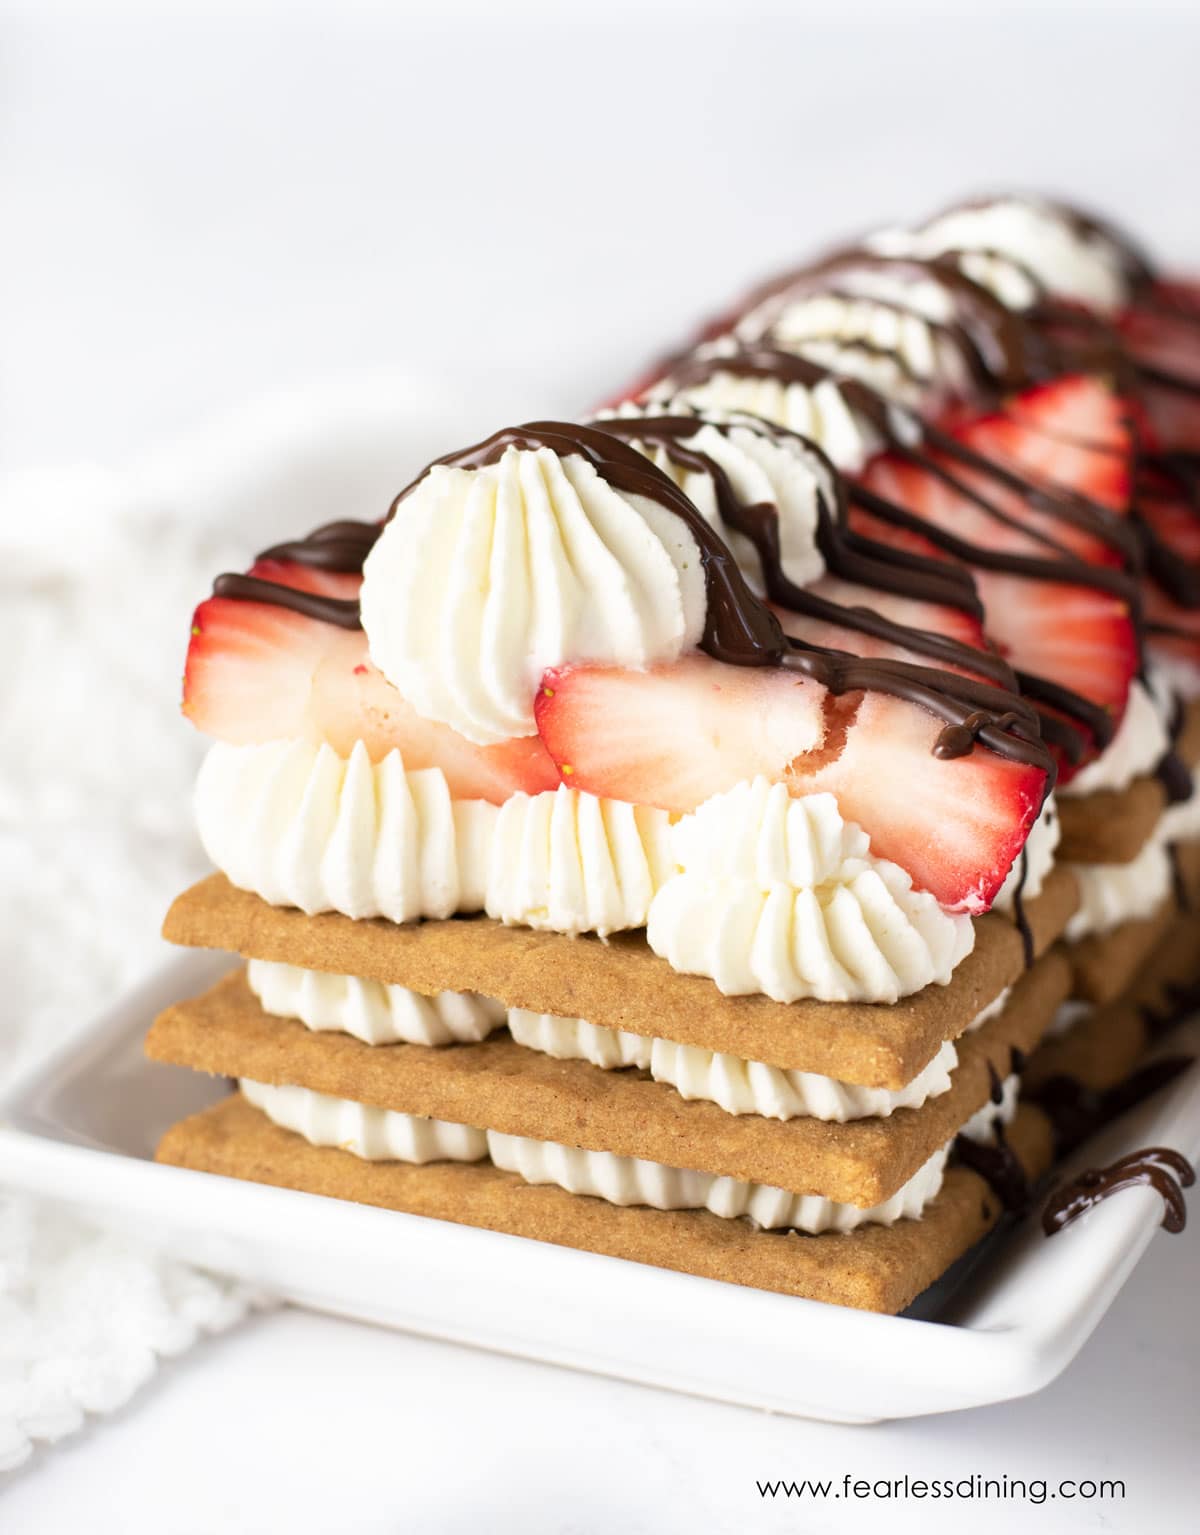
x=1159, y=1167
x=1077, y=1111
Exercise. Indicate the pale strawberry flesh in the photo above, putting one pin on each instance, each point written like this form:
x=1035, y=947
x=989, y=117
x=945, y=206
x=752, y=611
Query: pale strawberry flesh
x=673, y=736
x=260, y=672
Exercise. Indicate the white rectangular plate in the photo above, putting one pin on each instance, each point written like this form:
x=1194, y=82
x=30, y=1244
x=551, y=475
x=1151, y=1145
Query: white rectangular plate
x=83, y=1127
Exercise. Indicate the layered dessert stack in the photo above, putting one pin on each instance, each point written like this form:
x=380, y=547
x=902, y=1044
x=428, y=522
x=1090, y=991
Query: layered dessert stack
x=675, y=835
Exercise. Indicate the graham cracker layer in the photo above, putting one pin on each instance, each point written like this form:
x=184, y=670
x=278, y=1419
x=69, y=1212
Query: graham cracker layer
x=877, y=1268
x=500, y=1085
x=623, y=984
x=1112, y=825
x=1107, y=964
x=1105, y=1047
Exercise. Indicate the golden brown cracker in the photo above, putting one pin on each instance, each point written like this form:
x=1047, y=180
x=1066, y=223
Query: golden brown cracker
x=1113, y=825
x=877, y=1268
x=623, y=984
x=1104, y=1048
x=500, y=1085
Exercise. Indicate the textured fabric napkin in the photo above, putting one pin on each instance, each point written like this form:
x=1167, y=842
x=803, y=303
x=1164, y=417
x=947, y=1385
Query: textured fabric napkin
x=99, y=572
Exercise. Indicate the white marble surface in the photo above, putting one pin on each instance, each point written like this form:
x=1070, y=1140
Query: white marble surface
x=205, y=206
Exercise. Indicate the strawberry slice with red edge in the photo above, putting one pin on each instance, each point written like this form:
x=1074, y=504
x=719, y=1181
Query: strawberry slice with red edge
x=258, y=672
x=675, y=735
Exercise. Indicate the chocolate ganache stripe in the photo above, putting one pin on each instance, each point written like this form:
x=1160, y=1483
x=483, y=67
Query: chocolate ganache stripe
x=999, y=1167
x=742, y=631
x=759, y=522
x=337, y=546
x=1000, y=350
x=903, y=432
x=1078, y=1111
x=1165, y=1170
x=787, y=367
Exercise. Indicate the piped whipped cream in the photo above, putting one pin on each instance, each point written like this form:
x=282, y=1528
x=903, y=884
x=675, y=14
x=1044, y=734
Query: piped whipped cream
x=570, y=862
x=484, y=578
x=1113, y=893
x=819, y=412
x=983, y=1123
x=636, y=1181
x=735, y=1085
x=376, y=1135
x=300, y=826
x=782, y=896
x=384, y=1135
x=1029, y=876
x=872, y=325
x=373, y=1011
x=761, y=468
x=1140, y=741
x=1019, y=248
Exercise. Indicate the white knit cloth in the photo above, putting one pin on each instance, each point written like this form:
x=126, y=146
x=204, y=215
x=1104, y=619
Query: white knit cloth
x=99, y=573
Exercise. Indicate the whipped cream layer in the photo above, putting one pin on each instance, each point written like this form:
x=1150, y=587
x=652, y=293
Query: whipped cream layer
x=760, y=467
x=486, y=577
x=820, y=412
x=1141, y=740
x=636, y=1181
x=1028, y=874
x=572, y=863
x=1020, y=248
x=300, y=826
x=735, y=1085
x=373, y=1011
x=782, y=896
x=887, y=330
x=1113, y=893
x=383, y=1135
x=376, y=1135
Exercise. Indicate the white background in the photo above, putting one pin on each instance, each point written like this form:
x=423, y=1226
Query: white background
x=201, y=207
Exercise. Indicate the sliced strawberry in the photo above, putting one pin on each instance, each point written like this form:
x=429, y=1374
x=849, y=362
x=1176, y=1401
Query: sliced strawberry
x=675, y=735
x=259, y=672
x=953, y=623
x=1078, y=636
x=827, y=632
x=1162, y=333
x=1073, y=433
x=1163, y=330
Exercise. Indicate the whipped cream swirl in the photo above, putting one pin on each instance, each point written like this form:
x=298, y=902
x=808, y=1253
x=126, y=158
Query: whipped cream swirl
x=486, y=577
x=782, y=896
x=300, y=826
x=819, y=412
x=376, y=1135
x=1111, y=894
x=573, y=863
x=1020, y=248
x=1140, y=741
x=384, y=1135
x=762, y=469
x=374, y=1011
x=738, y=1086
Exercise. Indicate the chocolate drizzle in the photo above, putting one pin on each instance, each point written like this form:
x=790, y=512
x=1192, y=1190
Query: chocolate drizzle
x=999, y=350
x=1159, y=1167
x=342, y=611
x=742, y=630
x=999, y=1167
x=1077, y=1111
x=341, y=547
x=1028, y=947
x=911, y=439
